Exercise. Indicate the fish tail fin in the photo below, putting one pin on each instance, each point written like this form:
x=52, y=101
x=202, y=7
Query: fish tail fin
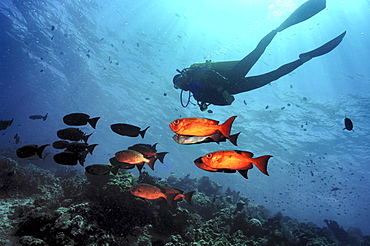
x=188, y=197
x=114, y=170
x=86, y=137
x=91, y=148
x=160, y=156
x=226, y=126
x=40, y=149
x=170, y=198
x=151, y=162
x=154, y=146
x=233, y=138
x=93, y=121
x=82, y=157
x=261, y=163
x=44, y=117
x=142, y=133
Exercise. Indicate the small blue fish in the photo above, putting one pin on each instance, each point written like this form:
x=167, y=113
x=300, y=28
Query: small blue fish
x=38, y=117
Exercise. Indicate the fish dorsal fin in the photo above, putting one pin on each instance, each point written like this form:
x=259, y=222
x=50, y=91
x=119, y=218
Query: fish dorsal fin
x=245, y=153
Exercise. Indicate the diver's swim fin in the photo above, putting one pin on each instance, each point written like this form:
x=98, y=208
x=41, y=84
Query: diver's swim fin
x=304, y=12
x=326, y=48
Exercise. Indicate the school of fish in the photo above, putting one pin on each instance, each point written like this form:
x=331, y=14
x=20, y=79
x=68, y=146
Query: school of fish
x=187, y=131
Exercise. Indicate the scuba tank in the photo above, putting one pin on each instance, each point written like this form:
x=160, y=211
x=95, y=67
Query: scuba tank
x=220, y=66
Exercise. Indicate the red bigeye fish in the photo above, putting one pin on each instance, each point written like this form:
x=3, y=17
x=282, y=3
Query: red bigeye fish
x=201, y=126
x=152, y=192
x=230, y=161
x=155, y=193
x=134, y=157
x=149, y=151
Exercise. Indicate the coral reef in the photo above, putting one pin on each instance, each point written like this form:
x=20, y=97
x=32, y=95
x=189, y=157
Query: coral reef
x=65, y=207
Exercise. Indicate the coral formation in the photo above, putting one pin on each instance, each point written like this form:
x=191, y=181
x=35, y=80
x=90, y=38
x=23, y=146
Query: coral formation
x=65, y=208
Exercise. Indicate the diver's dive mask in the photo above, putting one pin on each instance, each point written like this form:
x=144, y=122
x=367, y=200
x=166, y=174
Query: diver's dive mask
x=181, y=81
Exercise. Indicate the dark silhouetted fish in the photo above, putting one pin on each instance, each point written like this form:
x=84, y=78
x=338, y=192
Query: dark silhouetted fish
x=348, y=125
x=73, y=134
x=5, y=124
x=74, y=146
x=16, y=137
x=60, y=144
x=80, y=147
x=80, y=119
x=70, y=158
x=66, y=158
x=128, y=130
x=38, y=117
x=100, y=169
x=28, y=151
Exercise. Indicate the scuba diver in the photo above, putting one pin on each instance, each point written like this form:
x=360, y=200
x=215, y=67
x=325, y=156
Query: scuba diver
x=216, y=82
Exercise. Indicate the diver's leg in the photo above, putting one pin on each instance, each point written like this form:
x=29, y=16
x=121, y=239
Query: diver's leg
x=326, y=48
x=304, y=12
x=244, y=65
x=253, y=82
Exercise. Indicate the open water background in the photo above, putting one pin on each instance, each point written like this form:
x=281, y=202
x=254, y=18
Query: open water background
x=116, y=60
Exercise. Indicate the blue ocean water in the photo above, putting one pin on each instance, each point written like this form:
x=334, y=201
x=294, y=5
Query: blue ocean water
x=116, y=60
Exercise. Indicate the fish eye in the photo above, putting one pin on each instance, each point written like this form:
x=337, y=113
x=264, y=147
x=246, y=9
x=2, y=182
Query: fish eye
x=209, y=155
x=176, y=121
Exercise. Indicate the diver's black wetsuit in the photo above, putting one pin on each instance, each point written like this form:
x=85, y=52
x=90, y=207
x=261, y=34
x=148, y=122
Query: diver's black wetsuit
x=212, y=86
